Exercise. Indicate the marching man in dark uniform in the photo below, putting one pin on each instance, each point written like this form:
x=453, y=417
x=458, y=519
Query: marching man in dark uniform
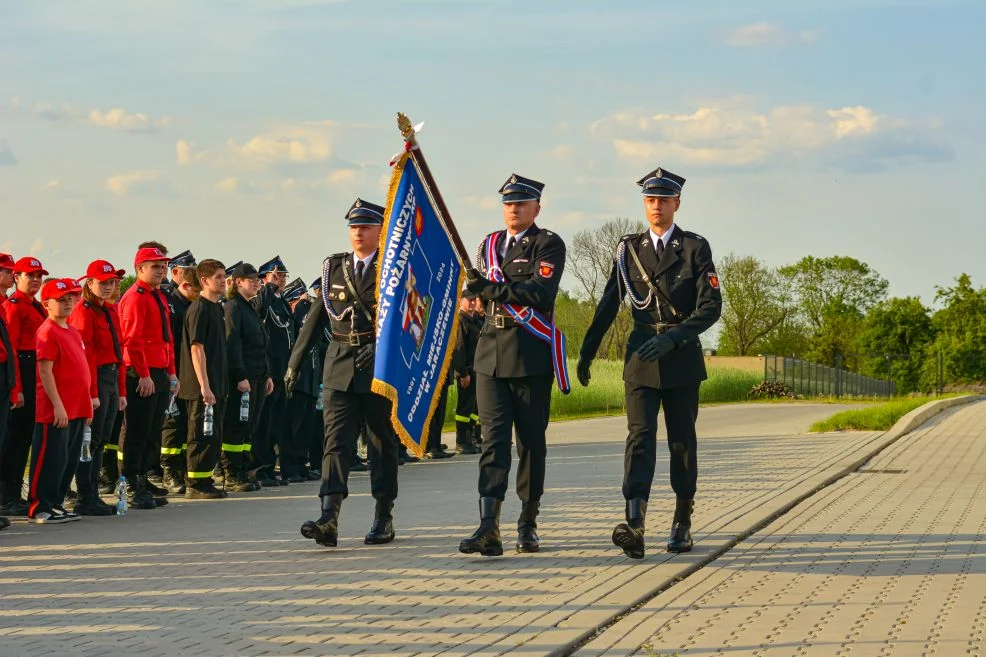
x=673, y=287
x=347, y=304
x=519, y=272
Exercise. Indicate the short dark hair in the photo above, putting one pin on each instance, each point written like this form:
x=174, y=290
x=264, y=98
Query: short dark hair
x=153, y=245
x=208, y=267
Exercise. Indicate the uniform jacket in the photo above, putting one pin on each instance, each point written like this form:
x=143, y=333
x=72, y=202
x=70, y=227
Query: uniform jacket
x=24, y=316
x=178, y=305
x=8, y=359
x=339, y=372
x=533, y=270
x=464, y=354
x=310, y=369
x=276, y=315
x=246, y=341
x=103, y=346
x=687, y=276
x=145, y=321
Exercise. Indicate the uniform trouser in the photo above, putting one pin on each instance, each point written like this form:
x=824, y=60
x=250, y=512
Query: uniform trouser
x=437, y=420
x=238, y=435
x=20, y=431
x=639, y=460
x=316, y=442
x=524, y=403
x=271, y=431
x=112, y=456
x=203, y=450
x=466, y=414
x=87, y=475
x=174, y=437
x=54, y=459
x=301, y=414
x=343, y=414
x=145, y=417
x=4, y=408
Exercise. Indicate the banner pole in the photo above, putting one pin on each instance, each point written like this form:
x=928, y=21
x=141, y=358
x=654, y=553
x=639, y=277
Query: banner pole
x=407, y=131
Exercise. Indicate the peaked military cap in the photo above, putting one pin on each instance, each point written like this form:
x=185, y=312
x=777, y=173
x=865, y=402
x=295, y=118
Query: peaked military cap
x=272, y=265
x=231, y=268
x=294, y=289
x=661, y=183
x=364, y=213
x=183, y=259
x=518, y=189
x=316, y=284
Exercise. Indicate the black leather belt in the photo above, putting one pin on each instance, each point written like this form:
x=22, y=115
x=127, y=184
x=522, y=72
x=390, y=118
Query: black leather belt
x=656, y=328
x=355, y=339
x=109, y=366
x=501, y=321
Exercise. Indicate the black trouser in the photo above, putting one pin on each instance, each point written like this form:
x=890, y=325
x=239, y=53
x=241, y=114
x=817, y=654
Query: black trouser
x=238, y=435
x=203, y=450
x=4, y=408
x=271, y=431
x=20, y=431
x=145, y=417
x=466, y=415
x=316, y=440
x=301, y=414
x=344, y=412
x=54, y=459
x=438, y=420
x=112, y=456
x=680, y=412
x=87, y=476
x=174, y=437
x=524, y=403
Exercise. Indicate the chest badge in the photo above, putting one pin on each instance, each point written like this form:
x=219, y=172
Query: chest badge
x=675, y=243
x=546, y=269
x=342, y=296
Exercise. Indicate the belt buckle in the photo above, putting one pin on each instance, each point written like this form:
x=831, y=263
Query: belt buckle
x=354, y=339
x=499, y=321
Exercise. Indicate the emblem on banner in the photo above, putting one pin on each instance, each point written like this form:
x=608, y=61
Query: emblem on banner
x=416, y=307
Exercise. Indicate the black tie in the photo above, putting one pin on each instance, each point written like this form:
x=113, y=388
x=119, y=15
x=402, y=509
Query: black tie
x=660, y=249
x=165, y=329
x=360, y=266
x=510, y=244
x=116, y=339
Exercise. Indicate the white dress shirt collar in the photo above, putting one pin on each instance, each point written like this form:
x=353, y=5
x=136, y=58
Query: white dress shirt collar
x=666, y=237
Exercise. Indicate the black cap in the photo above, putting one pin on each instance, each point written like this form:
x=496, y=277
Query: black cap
x=316, y=284
x=294, y=289
x=244, y=270
x=364, y=213
x=183, y=259
x=272, y=265
x=229, y=270
x=518, y=189
x=661, y=183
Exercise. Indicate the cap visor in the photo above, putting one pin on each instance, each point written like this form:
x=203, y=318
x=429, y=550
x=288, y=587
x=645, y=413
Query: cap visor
x=518, y=198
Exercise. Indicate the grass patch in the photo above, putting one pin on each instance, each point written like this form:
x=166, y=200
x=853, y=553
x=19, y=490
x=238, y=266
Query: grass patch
x=605, y=395
x=878, y=417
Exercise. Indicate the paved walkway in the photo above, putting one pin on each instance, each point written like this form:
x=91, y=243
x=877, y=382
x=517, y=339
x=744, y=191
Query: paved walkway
x=235, y=578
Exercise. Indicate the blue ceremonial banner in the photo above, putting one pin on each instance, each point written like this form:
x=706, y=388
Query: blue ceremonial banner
x=419, y=282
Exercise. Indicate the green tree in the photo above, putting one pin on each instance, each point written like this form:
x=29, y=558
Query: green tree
x=960, y=327
x=755, y=304
x=825, y=287
x=894, y=338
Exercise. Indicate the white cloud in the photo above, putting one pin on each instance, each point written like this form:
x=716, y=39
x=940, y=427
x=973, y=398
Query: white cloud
x=7, y=157
x=36, y=247
x=186, y=153
x=147, y=183
x=340, y=176
x=48, y=111
x=51, y=185
x=767, y=34
x=118, y=119
x=228, y=185
x=302, y=144
x=733, y=133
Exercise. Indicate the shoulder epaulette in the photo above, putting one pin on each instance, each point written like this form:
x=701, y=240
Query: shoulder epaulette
x=86, y=304
x=13, y=300
x=139, y=289
x=694, y=236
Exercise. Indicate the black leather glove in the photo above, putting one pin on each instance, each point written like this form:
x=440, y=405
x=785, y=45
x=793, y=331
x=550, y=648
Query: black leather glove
x=476, y=282
x=290, y=381
x=656, y=347
x=364, y=356
x=582, y=370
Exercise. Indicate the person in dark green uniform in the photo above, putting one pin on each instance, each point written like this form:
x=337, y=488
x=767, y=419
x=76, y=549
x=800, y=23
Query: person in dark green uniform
x=669, y=276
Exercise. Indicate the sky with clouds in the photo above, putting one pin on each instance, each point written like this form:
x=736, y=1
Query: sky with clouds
x=245, y=129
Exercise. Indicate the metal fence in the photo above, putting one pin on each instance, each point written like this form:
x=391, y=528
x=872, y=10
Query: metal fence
x=813, y=380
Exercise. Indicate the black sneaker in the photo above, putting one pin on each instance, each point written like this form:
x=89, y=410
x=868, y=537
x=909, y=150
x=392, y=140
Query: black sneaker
x=16, y=509
x=48, y=518
x=71, y=515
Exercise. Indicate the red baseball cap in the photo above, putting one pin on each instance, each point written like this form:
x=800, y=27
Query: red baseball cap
x=103, y=271
x=59, y=287
x=150, y=254
x=6, y=262
x=29, y=265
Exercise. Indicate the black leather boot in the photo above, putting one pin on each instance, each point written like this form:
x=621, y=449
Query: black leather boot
x=174, y=480
x=382, y=530
x=629, y=535
x=325, y=530
x=681, y=536
x=463, y=439
x=527, y=538
x=138, y=497
x=486, y=539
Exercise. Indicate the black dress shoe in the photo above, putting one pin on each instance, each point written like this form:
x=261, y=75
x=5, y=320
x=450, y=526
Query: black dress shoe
x=438, y=454
x=358, y=465
x=382, y=530
x=467, y=448
x=629, y=535
x=314, y=475
x=295, y=479
x=325, y=530
x=486, y=539
x=681, y=536
x=91, y=507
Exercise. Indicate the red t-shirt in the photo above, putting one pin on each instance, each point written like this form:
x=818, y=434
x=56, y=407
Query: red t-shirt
x=64, y=347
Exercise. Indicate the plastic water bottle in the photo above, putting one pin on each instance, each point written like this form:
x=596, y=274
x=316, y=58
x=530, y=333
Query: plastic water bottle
x=319, y=405
x=245, y=406
x=173, y=404
x=207, y=421
x=86, y=455
x=121, y=496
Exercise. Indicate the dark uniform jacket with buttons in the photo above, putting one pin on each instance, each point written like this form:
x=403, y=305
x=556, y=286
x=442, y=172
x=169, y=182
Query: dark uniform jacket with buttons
x=310, y=367
x=532, y=271
x=276, y=315
x=246, y=341
x=687, y=277
x=339, y=371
